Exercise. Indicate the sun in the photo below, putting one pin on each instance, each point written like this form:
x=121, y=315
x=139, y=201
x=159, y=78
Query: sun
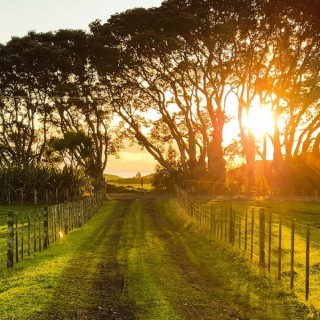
x=259, y=120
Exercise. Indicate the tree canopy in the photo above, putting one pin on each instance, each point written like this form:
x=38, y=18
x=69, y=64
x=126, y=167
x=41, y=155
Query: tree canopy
x=177, y=80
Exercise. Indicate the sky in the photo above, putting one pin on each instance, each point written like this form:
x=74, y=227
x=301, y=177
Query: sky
x=18, y=17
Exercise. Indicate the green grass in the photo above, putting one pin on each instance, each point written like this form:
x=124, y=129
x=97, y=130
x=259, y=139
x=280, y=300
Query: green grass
x=111, y=177
x=236, y=281
x=29, y=288
x=3, y=228
x=4, y=211
x=303, y=213
x=131, y=185
x=133, y=180
x=148, y=272
x=116, y=184
x=146, y=260
x=116, y=187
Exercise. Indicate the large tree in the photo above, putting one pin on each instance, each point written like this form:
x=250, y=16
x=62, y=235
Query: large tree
x=26, y=81
x=293, y=76
x=82, y=111
x=177, y=61
x=48, y=88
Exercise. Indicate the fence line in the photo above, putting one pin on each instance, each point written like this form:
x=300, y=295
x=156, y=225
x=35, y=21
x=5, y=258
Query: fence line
x=33, y=231
x=288, y=250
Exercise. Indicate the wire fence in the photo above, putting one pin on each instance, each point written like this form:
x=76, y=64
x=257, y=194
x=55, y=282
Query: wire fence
x=29, y=232
x=287, y=250
x=215, y=189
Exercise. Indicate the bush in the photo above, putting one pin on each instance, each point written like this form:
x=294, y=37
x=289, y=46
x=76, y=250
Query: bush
x=40, y=184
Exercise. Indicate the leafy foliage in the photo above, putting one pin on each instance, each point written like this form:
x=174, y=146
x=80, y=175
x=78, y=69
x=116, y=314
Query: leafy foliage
x=40, y=184
x=167, y=78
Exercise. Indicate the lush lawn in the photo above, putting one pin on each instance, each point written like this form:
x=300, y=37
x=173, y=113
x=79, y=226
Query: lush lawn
x=141, y=259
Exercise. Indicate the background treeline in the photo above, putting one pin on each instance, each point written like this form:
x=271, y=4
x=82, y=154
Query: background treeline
x=170, y=79
x=38, y=185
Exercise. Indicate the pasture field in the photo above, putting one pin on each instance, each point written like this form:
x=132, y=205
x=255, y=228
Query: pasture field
x=120, y=187
x=298, y=220
x=142, y=259
x=118, y=184
x=303, y=212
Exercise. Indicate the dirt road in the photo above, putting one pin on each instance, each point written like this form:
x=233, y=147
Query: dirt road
x=141, y=263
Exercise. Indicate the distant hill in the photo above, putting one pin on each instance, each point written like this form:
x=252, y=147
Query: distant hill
x=134, y=180
x=111, y=177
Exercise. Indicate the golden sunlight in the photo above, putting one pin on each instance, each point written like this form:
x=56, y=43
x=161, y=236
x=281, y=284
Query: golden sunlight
x=259, y=119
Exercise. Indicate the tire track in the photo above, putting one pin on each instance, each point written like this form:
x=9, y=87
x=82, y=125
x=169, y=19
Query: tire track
x=96, y=267
x=203, y=303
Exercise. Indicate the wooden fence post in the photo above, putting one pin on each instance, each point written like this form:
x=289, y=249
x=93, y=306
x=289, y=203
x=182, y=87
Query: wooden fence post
x=73, y=206
x=35, y=233
x=292, y=254
x=204, y=207
x=59, y=218
x=55, y=219
x=10, y=240
x=35, y=196
x=45, y=228
x=17, y=239
x=70, y=206
x=53, y=223
x=22, y=197
x=233, y=226
x=246, y=232
x=82, y=213
x=269, y=242
x=225, y=223
x=280, y=249
x=261, y=238
x=221, y=223
x=307, y=262
x=22, y=238
x=39, y=233
x=239, y=231
x=79, y=213
x=230, y=226
x=66, y=218
x=252, y=234
x=9, y=196
x=29, y=235
x=212, y=222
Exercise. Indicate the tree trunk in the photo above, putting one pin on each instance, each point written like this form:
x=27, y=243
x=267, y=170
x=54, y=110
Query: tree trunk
x=278, y=165
x=249, y=148
x=216, y=162
x=98, y=181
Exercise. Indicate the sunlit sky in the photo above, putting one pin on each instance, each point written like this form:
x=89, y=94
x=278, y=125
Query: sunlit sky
x=18, y=17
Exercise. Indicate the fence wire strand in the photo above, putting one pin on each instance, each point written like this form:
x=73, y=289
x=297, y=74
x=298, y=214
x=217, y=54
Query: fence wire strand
x=242, y=230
